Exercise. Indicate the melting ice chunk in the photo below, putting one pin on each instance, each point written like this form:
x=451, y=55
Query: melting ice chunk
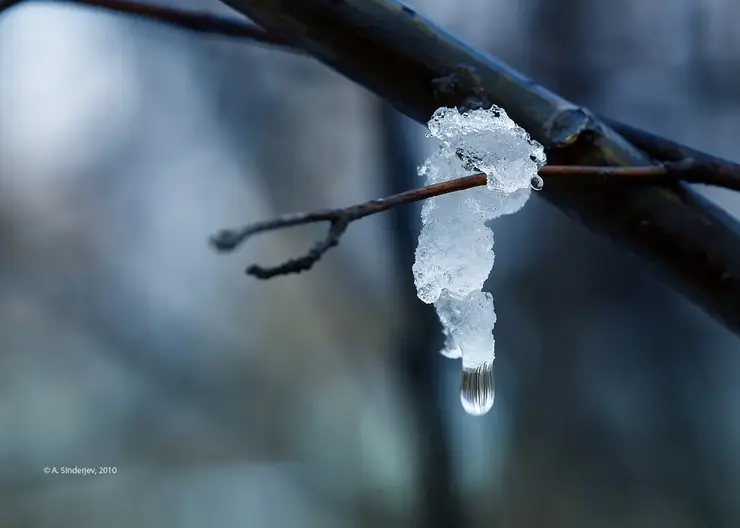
x=455, y=252
x=468, y=323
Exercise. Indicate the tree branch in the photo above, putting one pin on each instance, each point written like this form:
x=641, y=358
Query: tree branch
x=726, y=173
x=387, y=47
x=200, y=22
x=339, y=219
x=663, y=149
x=657, y=147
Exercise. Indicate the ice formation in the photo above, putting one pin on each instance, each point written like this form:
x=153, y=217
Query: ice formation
x=455, y=251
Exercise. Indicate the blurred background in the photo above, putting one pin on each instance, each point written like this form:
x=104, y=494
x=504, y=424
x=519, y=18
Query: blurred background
x=319, y=400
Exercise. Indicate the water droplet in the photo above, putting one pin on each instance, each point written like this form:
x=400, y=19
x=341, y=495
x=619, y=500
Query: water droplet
x=477, y=389
x=537, y=183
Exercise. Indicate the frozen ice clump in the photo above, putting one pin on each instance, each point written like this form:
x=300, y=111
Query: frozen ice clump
x=489, y=141
x=455, y=252
x=455, y=247
x=468, y=325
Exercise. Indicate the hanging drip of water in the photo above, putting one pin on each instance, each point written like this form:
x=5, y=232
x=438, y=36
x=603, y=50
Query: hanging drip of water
x=477, y=390
x=537, y=183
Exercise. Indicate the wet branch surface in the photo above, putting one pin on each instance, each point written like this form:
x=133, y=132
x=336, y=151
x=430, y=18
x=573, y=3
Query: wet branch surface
x=340, y=218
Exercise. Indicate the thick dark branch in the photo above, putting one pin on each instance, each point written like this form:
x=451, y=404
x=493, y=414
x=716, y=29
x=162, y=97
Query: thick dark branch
x=388, y=48
x=339, y=219
x=199, y=22
x=657, y=147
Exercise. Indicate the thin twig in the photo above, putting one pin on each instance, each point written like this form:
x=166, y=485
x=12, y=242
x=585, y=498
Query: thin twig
x=687, y=169
x=723, y=173
x=339, y=219
x=199, y=22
